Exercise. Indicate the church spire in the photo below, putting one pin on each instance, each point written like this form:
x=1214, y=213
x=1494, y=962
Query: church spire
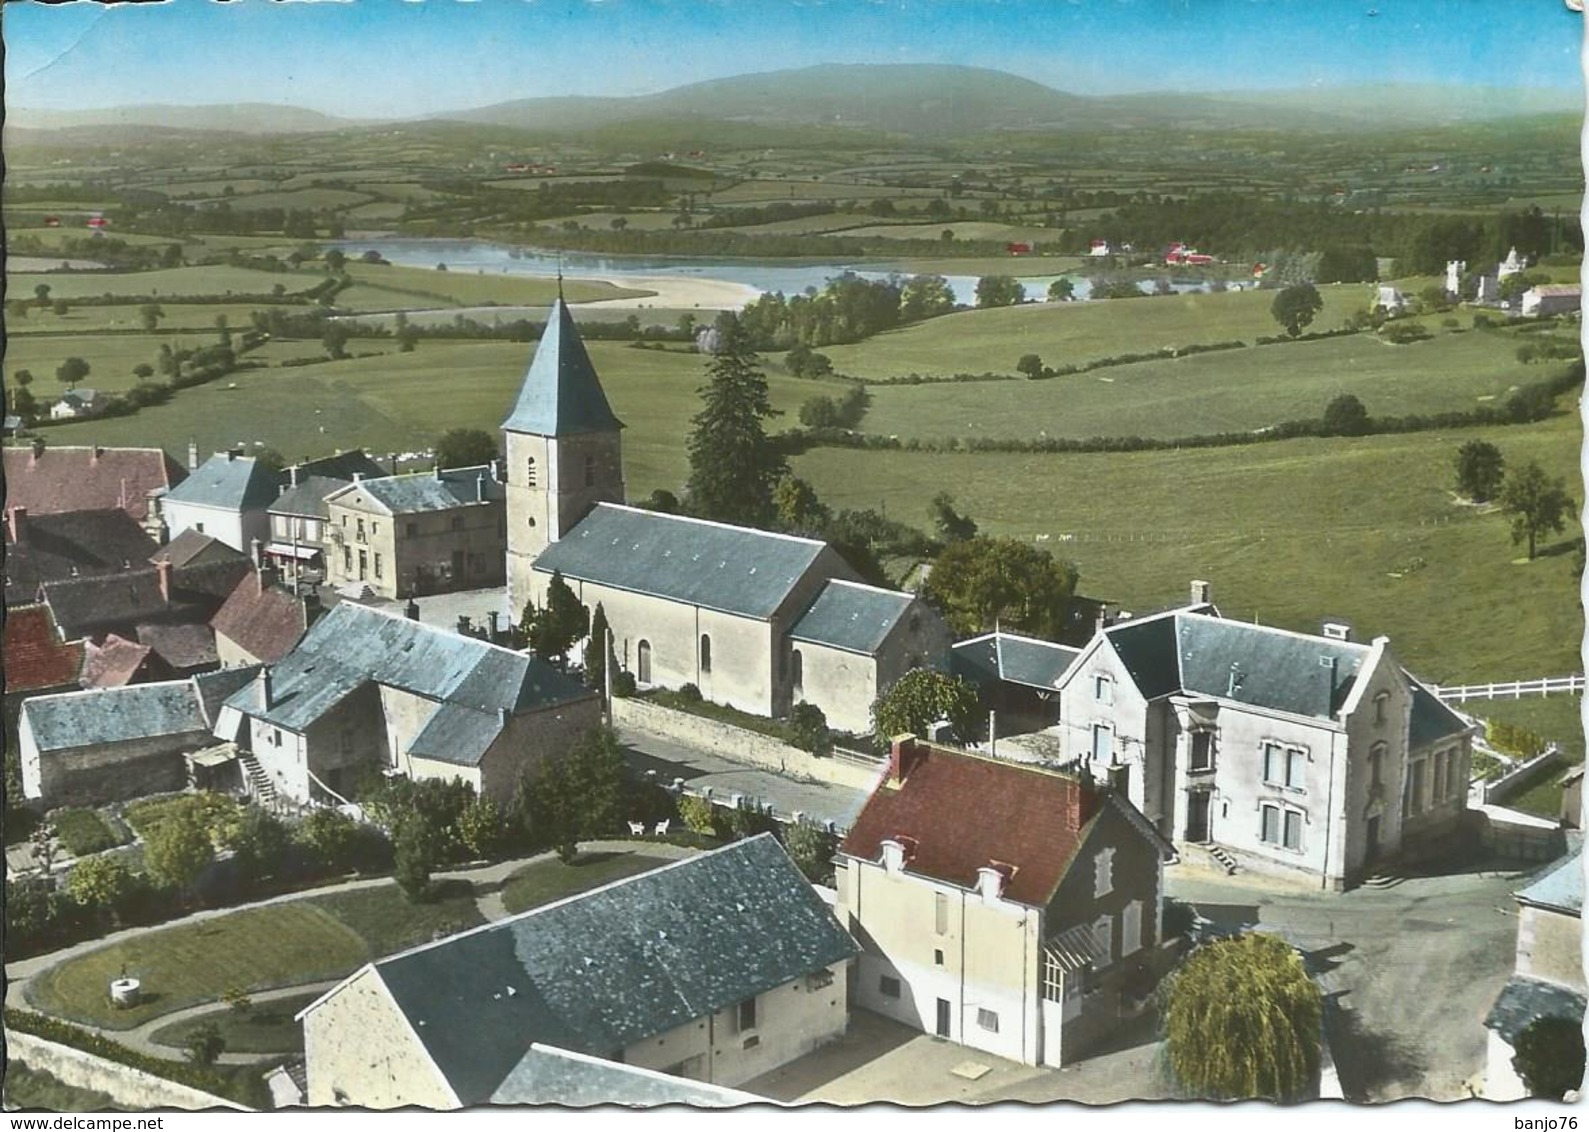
x=561, y=395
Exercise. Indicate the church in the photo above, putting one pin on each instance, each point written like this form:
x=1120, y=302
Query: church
x=756, y=620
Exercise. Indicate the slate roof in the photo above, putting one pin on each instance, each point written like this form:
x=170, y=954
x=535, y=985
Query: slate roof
x=33, y=658
x=70, y=545
x=440, y=490
x=180, y=646
x=1522, y=1000
x=353, y=645
x=598, y=972
x=214, y=688
x=83, y=606
x=140, y=711
x=957, y=812
x=191, y=548
x=561, y=395
x=455, y=734
x=87, y=479
x=1147, y=649
x=308, y=499
x=340, y=466
x=1431, y=720
x=547, y=1075
x=232, y=483
x=1560, y=888
x=713, y=565
x=265, y=621
x=114, y=664
x=851, y=616
x=1013, y=659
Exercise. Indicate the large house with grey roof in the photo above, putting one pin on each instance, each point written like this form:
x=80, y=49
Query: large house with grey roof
x=225, y=498
x=366, y=692
x=717, y=969
x=1313, y=756
x=757, y=620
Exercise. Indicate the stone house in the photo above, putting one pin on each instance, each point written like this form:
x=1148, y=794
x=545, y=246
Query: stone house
x=75, y=403
x=50, y=481
x=93, y=747
x=432, y=532
x=1018, y=676
x=225, y=497
x=1312, y=756
x=260, y=622
x=756, y=620
x=94, y=606
x=73, y=544
x=716, y=968
x=298, y=521
x=368, y=691
x=1549, y=972
x=1006, y=907
x=1549, y=299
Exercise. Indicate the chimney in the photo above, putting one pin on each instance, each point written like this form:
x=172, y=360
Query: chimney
x=358, y=477
x=193, y=454
x=1081, y=802
x=263, y=684
x=233, y=454
x=1201, y=592
x=256, y=553
x=1328, y=663
x=1338, y=630
x=98, y=452
x=893, y=854
x=292, y=475
x=311, y=609
x=480, y=488
x=411, y=610
x=38, y=449
x=464, y=627
x=905, y=754
x=162, y=571
x=392, y=462
x=17, y=522
x=436, y=470
x=492, y=619
x=990, y=882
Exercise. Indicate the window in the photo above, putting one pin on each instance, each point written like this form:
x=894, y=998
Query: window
x=745, y=1016
x=1293, y=830
x=275, y=736
x=347, y=560
x=1103, y=930
x=1103, y=873
x=1284, y=766
x=1441, y=768
x=360, y=533
x=413, y=530
x=1131, y=929
x=1376, y=765
x=1282, y=827
x=529, y=472
x=1381, y=702
x=888, y=986
x=1415, y=788
x=590, y=471
x=987, y=1020
x=377, y=564
x=1202, y=750
x=797, y=671
x=1269, y=830
x=937, y=957
x=643, y=662
x=706, y=653
x=1102, y=742
x=940, y=913
x=1103, y=689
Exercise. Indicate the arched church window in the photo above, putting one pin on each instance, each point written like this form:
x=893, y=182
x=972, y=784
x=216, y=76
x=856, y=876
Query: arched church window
x=706, y=653
x=643, y=662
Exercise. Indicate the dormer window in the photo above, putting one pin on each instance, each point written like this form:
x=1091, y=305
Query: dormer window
x=1103, y=873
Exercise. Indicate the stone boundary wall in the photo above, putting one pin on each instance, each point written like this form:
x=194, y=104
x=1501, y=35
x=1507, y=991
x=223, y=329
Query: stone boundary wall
x=738, y=744
x=1523, y=775
x=1512, y=833
x=125, y=1085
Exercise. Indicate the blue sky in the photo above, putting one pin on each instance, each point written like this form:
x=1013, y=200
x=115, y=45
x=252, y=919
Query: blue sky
x=392, y=58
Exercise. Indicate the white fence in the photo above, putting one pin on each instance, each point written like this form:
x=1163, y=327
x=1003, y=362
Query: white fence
x=1513, y=690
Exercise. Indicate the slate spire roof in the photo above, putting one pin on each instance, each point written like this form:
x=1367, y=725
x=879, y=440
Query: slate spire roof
x=561, y=395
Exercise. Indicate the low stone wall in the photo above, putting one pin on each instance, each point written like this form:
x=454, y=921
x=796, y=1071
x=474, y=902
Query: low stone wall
x=125, y=1085
x=737, y=744
x=1514, y=834
x=1522, y=776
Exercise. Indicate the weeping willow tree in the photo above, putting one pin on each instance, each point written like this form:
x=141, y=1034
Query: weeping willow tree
x=1241, y=1020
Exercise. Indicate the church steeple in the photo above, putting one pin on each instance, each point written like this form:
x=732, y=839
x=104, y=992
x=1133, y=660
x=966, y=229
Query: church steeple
x=564, y=451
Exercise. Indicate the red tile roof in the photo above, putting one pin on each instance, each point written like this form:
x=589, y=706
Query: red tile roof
x=264, y=621
x=87, y=479
x=34, y=659
x=114, y=664
x=956, y=812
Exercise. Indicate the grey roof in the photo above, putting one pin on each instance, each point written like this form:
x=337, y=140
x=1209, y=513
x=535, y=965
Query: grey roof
x=1523, y=1000
x=713, y=565
x=341, y=466
x=601, y=971
x=352, y=646
x=309, y=497
x=214, y=688
x=1431, y=720
x=1560, y=888
x=235, y=483
x=426, y=491
x=1013, y=659
x=561, y=395
x=86, y=605
x=547, y=1075
x=139, y=711
x=850, y=616
x=1269, y=668
x=191, y=548
x=181, y=646
x=1147, y=649
x=70, y=545
x=456, y=734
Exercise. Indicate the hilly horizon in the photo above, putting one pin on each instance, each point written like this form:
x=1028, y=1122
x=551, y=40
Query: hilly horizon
x=926, y=100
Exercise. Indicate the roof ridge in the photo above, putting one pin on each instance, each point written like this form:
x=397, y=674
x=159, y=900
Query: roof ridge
x=397, y=616
x=864, y=586
x=714, y=523
x=1358, y=647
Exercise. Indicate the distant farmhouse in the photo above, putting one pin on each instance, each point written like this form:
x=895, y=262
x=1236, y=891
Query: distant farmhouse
x=1549, y=299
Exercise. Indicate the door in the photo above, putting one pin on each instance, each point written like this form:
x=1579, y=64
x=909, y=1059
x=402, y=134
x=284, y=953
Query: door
x=643, y=662
x=943, y=1018
x=364, y=564
x=1197, y=815
x=1371, y=850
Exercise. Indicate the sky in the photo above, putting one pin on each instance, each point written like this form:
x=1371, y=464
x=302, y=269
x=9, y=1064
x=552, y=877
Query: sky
x=404, y=58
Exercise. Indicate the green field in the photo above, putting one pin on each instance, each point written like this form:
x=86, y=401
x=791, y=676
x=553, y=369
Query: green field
x=219, y=279
x=1068, y=333
x=122, y=318
x=110, y=357
x=379, y=287
x=1288, y=532
x=1226, y=391
x=268, y=1027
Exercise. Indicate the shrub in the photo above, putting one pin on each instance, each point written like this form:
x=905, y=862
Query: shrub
x=1550, y=1056
x=689, y=694
x=623, y=685
x=698, y=815
x=205, y=1045
x=811, y=849
x=808, y=727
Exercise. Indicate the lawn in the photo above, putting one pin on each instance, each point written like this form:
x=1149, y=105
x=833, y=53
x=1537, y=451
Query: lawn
x=1226, y=391
x=546, y=881
x=302, y=941
x=215, y=279
x=1288, y=532
x=266, y=1028
x=110, y=357
x=83, y=831
x=1069, y=333
x=1556, y=718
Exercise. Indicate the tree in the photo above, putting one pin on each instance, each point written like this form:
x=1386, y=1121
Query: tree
x=223, y=331
x=205, y=1044
x=949, y=523
x=800, y=511
x=1031, y=365
x=999, y=291
x=23, y=377
x=483, y=829
x=336, y=260
x=416, y=853
x=329, y=836
x=24, y=404
x=808, y=728
x=465, y=448
x=1241, y=1019
x=1061, y=290
x=143, y=371
x=925, y=296
x=921, y=698
x=599, y=654
x=1550, y=1057
x=733, y=465
x=42, y=293
x=1537, y=504
x=179, y=849
x=61, y=307
x=335, y=340
x=17, y=309
x=554, y=628
x=981, y=581
x=1295, y=306
x=1480, y=469
x=71, y=371
x=101, y=884
x=580, y=793
x=1345, y=416
x=151, y=314
x=811, y=849
x=260, y=845
x=618, y=223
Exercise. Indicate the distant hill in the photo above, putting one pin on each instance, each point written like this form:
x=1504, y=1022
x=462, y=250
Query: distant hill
x=919, y=100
